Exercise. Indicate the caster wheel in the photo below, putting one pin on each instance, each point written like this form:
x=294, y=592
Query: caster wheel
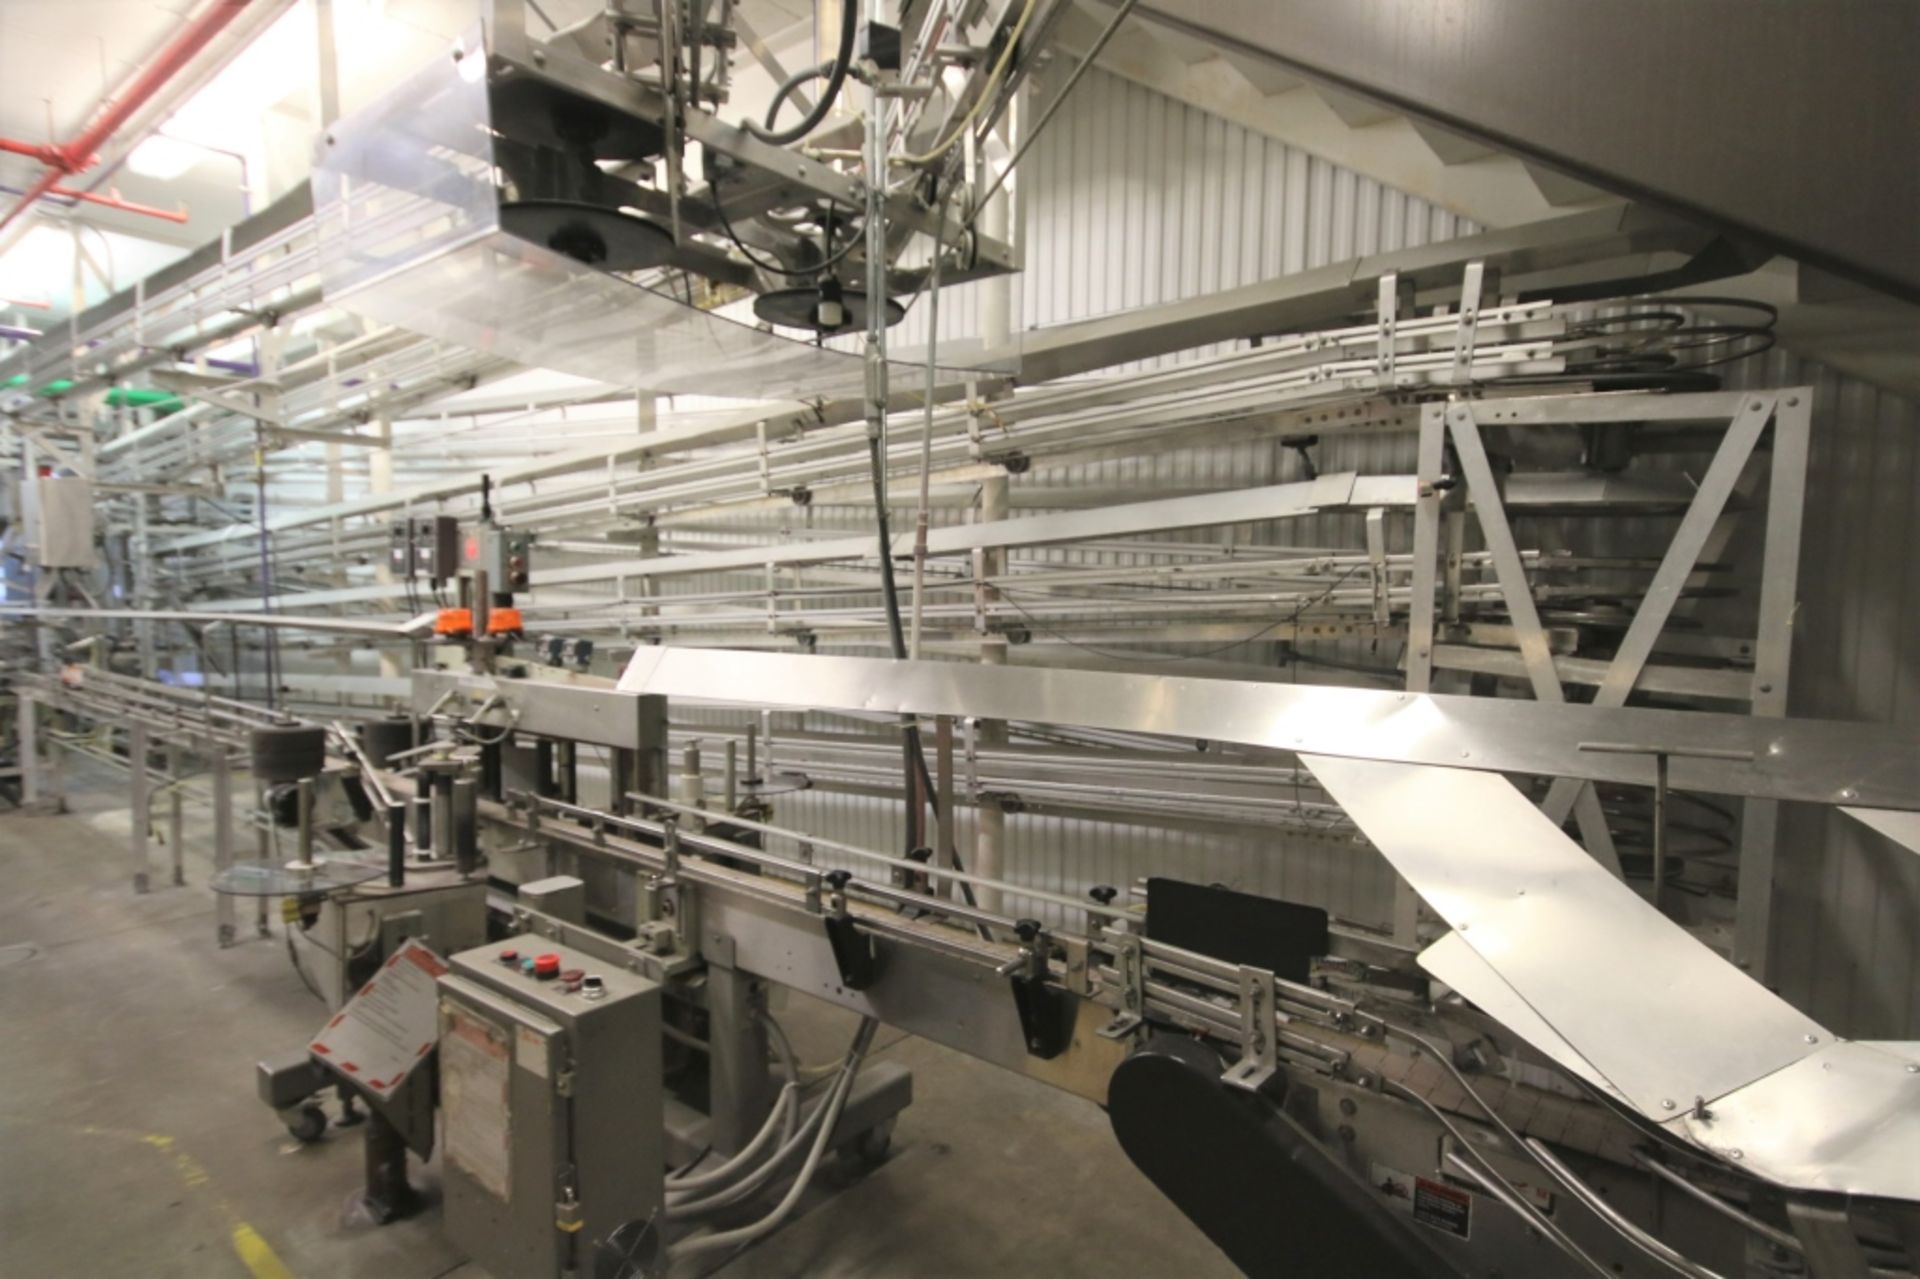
x=870, y=1148
x=309, y=1124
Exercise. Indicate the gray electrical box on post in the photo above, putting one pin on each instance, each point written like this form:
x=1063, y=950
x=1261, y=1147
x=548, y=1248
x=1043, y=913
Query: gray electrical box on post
x=551, y=1091
x=62, y=521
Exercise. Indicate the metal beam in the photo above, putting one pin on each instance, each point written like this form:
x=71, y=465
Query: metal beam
x=1820, y=761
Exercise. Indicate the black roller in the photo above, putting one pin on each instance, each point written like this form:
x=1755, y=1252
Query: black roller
x=799, y=308
x=381, y=739
x=589, y=233
x=289, y=752
x=1273, y=1199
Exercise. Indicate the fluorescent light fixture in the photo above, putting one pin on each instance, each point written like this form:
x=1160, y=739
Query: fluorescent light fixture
x=164, y=158
x=39, y=265
x=226, y=113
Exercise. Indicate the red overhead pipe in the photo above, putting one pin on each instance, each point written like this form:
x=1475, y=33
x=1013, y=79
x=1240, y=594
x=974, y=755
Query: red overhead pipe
x=80, y=154
x=112, y=200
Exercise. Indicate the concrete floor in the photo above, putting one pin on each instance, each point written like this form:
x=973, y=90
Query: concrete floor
x=131, y=1142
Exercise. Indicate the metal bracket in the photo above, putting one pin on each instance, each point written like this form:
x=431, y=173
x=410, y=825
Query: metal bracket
x=1259, y=1050
x=853, y=951
x=1046, y=1015
x=1383, y=365
x=1131, y=964
x=1377, y=564
x=1471, y=285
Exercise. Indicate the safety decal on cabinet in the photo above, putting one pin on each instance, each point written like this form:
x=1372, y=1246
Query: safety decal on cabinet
x=387, y=1028
x=473, y=1098
x=1429, y=1202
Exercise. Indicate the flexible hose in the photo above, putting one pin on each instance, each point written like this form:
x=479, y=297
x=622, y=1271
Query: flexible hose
x=788, y=1098
x=862, y=1039
x=836, y=76
x=747, y=1186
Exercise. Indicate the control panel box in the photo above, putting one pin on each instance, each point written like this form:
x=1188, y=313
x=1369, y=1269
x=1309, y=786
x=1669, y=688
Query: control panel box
x=424, y=546
x=504, y=555
x=551, y=1092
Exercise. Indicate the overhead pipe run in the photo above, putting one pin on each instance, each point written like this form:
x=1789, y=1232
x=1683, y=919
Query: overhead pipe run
x=111, y=200
x=79, y=155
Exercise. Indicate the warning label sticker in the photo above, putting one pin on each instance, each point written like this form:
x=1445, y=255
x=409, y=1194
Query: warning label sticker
x=1429, y=1202
x=474, y=1099
x=387, y=1028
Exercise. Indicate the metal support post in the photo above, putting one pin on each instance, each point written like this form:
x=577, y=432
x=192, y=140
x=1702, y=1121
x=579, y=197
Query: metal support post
x=990, y=820
x=263, y=850
x=27, y=711
x=1773, y=655
x=396, y=845
x=740, y=1091
x=565, y=756
x=224, y=927
x=176, y=846
x=142, y=795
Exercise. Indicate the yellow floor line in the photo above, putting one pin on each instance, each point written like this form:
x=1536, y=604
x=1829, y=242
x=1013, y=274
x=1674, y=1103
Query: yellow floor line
x=255, y=1253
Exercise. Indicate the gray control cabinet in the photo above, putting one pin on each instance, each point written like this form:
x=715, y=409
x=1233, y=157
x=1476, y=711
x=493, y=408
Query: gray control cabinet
x=551, y=1096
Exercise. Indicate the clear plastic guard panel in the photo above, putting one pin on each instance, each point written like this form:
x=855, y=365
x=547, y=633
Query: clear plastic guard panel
x=409, y=235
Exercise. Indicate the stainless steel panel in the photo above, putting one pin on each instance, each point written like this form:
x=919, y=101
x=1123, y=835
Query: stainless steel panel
x=1459, y=965
x=1845, y=1118
x=584, y=1109
x=577, y=708
x=1790, y=759
x=1902, y=828
x=1659, y=1016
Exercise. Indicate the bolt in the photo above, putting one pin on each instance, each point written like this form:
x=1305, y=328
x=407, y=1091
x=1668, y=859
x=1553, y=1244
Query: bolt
x=1736, y=1154
x=1666, y=1103
x=1792, y=400
x=1813, y=1039
x=1913, y=1069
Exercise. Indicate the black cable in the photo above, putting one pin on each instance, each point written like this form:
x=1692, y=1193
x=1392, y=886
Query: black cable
x=916, y=755
x=837, y=76
x=772, y=268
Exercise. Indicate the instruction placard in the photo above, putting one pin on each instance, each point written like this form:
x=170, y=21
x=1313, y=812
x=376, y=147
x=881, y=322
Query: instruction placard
x=389, y=1025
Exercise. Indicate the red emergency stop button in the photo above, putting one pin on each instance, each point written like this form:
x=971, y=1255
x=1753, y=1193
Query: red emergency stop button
x=546, y=967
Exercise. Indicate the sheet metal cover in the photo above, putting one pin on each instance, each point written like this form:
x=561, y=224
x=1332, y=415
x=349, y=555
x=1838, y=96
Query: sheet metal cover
x=1791, y=758
x=1660, y=1016
x=1846, y=1118
x=1903, y=828
x=1457, y=964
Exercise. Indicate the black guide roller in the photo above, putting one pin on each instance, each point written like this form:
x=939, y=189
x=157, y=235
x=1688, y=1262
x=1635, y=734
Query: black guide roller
x=288, y=752
x=1103, y=893
x=382, y=739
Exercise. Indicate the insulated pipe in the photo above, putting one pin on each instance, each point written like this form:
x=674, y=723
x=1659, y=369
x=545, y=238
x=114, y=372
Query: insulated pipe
x=80, y=154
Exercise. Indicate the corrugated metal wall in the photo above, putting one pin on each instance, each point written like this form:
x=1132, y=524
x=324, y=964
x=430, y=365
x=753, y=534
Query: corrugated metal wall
x=1132, y=199
x=1844, y=942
